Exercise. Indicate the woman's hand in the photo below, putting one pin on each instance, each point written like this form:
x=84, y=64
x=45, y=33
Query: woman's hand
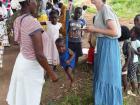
x=54, y=77
x=89, y=29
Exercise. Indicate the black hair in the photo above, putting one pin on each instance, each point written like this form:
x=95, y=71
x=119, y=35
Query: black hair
x=49, y=5
x=137, y=17
x=60, y=5
x=24, y=3
x=54, y=12
x=60, y=40
x=125, y=33
x=0, y=3
x=55, y=1
x=104, y=1
x=84, y=7
x=136, y=29
x=78, y=8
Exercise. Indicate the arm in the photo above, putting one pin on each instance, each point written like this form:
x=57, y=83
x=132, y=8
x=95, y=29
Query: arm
x=38, y=47
x=137, y=52
x=43, y=23
x=111, y=29
x=71, y=56
x=128, y=59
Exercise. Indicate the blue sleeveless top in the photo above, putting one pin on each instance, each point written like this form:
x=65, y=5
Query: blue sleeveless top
x=64, y=57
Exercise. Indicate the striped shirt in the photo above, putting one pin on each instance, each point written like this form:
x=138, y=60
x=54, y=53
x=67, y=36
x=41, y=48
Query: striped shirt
x=23, y=31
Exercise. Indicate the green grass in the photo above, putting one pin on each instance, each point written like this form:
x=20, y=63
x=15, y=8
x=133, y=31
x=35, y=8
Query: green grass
x=123, y=8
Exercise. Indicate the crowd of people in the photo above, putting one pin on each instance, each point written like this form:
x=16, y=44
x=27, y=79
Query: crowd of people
x=40, y=30
x=130, y=44
x=5, y=13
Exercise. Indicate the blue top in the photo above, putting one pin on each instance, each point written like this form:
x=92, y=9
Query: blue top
x=64, y=57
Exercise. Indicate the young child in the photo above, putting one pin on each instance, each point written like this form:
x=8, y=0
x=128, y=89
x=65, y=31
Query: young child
x=42, y=16
x=67, y=58
x=137, y=32
x=137, y=20
x=75, y=33
x=84, y=8
x=56, y=6
x=53, y=27
x=137, y=23
x=62, y=18
x=133, y=67
x=126, y=52
x=49, y=8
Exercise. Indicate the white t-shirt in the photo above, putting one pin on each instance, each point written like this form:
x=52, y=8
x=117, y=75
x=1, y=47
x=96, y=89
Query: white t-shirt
x=44, y=4
x=15, y=4
x=3, y=11
x=106, y=13
x=135, y=44
x=53, y=30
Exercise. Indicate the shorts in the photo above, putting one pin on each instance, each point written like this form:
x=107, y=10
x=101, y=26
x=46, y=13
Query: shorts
x=138, y=74
x=132, y=69
x=76, y=47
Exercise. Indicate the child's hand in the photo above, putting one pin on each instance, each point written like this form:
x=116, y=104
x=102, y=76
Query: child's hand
x=54, y=78
x=68, y=62
x=124, y=68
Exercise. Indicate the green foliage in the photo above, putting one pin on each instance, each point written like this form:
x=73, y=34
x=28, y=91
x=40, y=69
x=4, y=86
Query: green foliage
x=125, y=102
x=126, y=8
x=91, y=10
x=71, y=100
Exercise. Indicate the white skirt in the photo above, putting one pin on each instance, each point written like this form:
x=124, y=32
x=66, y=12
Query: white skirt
x=26, y=82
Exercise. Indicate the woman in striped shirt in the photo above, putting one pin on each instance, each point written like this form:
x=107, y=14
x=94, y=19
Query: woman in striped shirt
x=28, y=73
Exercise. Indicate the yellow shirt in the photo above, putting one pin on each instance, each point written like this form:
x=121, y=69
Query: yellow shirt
x=43, y=18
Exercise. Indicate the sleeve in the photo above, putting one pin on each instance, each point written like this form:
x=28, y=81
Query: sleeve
x=31, y=26
x=4, y=11
x=138, y=44
x=59, y=25
x=108, y=13
x=83, y=22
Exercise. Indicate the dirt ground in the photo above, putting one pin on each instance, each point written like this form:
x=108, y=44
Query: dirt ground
x=5, y=73
x=9, y=59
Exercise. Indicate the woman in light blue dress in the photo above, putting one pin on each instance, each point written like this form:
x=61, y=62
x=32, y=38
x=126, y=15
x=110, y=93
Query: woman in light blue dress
x=107, y=71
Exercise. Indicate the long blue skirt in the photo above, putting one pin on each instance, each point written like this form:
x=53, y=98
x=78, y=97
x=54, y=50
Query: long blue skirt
x=107, y=73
